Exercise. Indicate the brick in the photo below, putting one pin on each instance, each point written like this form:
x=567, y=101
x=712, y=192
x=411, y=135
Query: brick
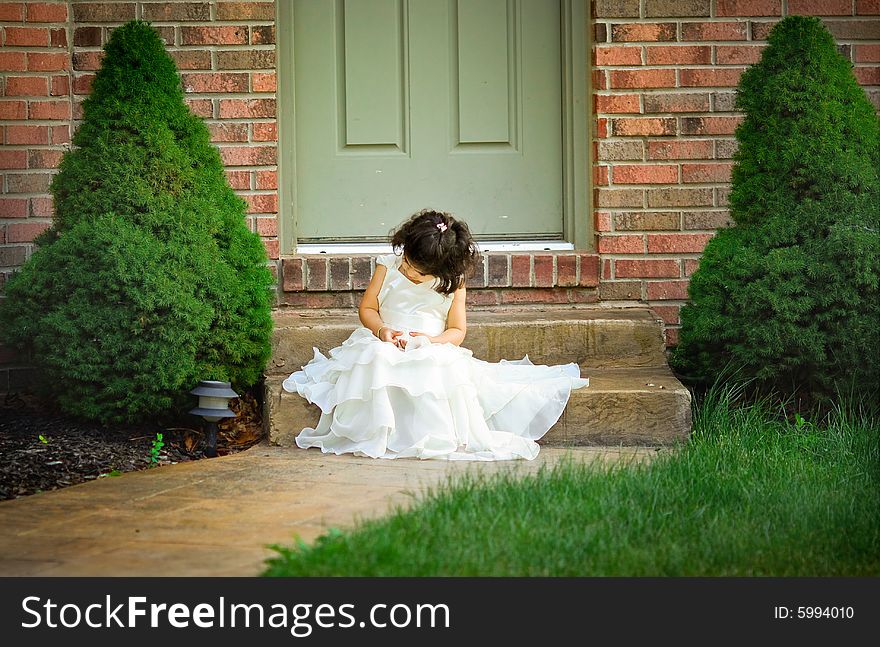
x=24, y=232
x=201, y=107
x=697, y=31
x=534, y=295
x=12, y=256
x=678, y=54
x=267, y=179
x=680, y=149
x=566, y=270
x=12, y=62
x=60, y=86
x=722, y=196
x=13, y=159
x=262, y=203
x=723, y=101
x=361, y=272
x=249, y=155
x=543, y=264
x=691, y=265
x=499, y=275
x=521, y=270
x=607, y=264
x=673, y=197
x=653, y=268
x=616, y=103
x=600, y=33
x=647, y=220
x=602, y=128
x=48, y=110
x=670, y=8
x=643, y=32
x=253, y=59
x=708, y=77
x=58, y=37
x=669, y=314
x=40, y=62
x=13, y=109
x=854, y=29
x=246, y=108
x=238, y=180
x=87, y=36
x=588, y=270
x=645, y=174
x=820, y=7
x=27, y=135
x=709, y=125
x=632, y=127
x=608, y=151
x=671, y=336
x=618, y=56
x=321, y=300
x=676, y=102
x=600, y=176
x=42, y=207
x=611, y=198
x=867, y=75
x=292, y=274
x=867, y=54
x=176, y=11
x=620, y=290
x=677, y=243
x=228, y=132
x=483, y=298
x=615, y=8
x=707, y=219
x=17, y=86
x=748, y=8
x=738, y=54
x=216, y=82
x=13, y=207
x=82, y=83
x=666, y=290
x=478, y=278
x=85, y=12
x=583, y=296
x=263, y=35
x=245, y=11
x=28, y=182
x=44, y=158
x=621, y=244
x=60, y=134
x=599, y=79
x=263, y=82
x=265, y=132
x=706, y=172
x=27, y=36
x=87, y=60
x=867, y=7
x=642, y=78
x=316, y=273
x=192, y=59
x=725, y=148
x=12, y=12
x=340, y=273
x=214, y=35
x=760, y=30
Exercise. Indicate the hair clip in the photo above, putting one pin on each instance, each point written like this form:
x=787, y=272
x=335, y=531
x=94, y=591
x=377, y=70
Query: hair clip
x=441, y=226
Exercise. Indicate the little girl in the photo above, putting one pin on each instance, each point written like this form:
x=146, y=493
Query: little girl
x=402, y=386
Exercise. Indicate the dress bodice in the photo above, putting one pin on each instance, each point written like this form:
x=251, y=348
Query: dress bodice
x=411, y=306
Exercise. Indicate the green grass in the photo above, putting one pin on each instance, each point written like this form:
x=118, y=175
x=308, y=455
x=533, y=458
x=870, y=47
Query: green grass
x=750, y=494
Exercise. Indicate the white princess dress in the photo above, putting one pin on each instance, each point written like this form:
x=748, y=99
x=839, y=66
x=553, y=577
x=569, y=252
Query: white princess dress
x=427, y=400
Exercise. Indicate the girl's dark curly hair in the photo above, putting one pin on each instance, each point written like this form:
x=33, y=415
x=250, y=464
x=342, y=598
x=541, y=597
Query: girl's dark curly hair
x=438, y=244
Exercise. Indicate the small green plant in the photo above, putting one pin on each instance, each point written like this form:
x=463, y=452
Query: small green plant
x=158, y=444
x=43, y=439
x=110, y=473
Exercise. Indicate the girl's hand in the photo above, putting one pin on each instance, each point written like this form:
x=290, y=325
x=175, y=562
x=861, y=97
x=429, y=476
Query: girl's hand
x=421, y=334
x=389, y=334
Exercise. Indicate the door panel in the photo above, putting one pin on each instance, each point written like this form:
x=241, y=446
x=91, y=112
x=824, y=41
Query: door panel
x=402, y=104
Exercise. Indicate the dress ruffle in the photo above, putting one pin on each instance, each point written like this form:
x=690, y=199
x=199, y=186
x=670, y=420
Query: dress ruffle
x=429, y=401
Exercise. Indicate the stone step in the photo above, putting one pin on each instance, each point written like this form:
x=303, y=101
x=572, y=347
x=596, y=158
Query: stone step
x=621, y=406
x=592, y=337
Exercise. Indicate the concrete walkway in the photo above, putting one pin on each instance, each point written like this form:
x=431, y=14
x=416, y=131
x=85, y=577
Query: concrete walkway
x=216, y=517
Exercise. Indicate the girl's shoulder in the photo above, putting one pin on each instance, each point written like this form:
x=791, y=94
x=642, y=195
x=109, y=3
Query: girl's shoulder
x=388, y=260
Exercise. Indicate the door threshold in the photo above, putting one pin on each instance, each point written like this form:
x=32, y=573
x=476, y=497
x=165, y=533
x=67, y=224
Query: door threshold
x=484, y=246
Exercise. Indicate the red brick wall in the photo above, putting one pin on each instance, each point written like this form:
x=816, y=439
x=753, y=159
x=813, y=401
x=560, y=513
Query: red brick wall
x=664, y=77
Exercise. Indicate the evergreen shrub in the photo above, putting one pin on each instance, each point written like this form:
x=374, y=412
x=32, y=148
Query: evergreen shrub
x=788, y=296
x=149, y=279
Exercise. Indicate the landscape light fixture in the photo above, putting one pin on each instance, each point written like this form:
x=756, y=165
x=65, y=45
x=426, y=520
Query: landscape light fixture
x=213, y=404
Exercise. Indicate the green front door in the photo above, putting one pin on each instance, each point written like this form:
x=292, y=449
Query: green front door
x=405, y=104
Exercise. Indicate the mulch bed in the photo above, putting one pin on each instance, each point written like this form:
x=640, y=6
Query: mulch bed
x=42, y=449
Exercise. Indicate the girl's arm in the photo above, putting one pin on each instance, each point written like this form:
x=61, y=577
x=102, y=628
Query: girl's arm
x=368, y=311
x=456, y=321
